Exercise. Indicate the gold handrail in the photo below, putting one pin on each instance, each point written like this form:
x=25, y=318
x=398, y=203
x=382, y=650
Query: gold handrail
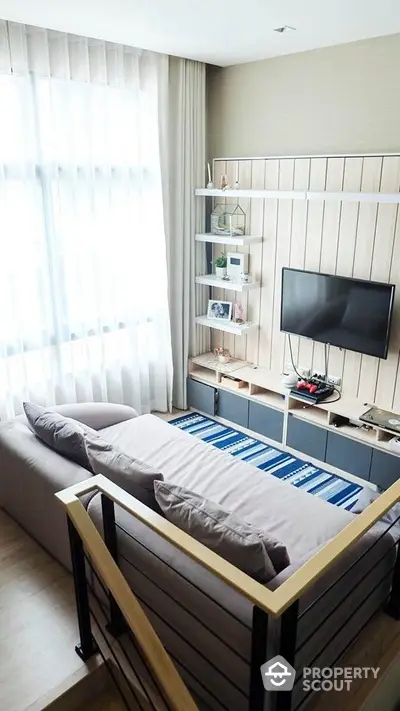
x=272, y=602
x=158, y=659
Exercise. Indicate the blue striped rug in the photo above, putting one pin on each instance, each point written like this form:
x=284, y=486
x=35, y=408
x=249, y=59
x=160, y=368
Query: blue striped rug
x=330, y=487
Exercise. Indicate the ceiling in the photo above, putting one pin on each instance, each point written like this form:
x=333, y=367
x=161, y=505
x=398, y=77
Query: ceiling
x=221, y=32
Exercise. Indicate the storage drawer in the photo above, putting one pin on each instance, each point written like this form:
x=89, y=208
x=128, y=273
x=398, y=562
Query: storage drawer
x=201, y=397
x=348, y=455
x=385, y=469
x=233, y=407
x=266, y=421
x=306, y=438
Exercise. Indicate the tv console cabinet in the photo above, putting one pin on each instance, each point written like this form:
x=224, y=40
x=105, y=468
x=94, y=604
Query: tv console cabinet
x=263, y=405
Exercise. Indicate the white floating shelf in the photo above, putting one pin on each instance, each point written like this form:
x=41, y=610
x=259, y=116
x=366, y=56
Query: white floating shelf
x=221, y=239
x=238, y=329
x=389, y=198
x=213, y=280
x=266, y=194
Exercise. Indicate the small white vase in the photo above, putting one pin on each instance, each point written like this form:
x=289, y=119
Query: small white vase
x=220, y=272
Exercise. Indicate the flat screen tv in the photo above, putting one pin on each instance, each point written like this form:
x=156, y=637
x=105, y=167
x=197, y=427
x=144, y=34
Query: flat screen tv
x=348, y=313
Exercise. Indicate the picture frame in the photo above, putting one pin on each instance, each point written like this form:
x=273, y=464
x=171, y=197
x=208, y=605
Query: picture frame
x=221, y=310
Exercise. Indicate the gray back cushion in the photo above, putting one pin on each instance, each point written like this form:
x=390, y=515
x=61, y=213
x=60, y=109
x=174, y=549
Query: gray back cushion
x=64, y=435
x=237, y=541
x=132, y=475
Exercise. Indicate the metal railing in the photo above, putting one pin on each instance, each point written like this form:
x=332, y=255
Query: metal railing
x=375, y=573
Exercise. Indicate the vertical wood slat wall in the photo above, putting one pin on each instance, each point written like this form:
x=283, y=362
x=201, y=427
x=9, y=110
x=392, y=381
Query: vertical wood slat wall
x=344, y=238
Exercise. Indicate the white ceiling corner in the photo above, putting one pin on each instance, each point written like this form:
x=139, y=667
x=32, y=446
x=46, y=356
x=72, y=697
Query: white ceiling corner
x=221, y=32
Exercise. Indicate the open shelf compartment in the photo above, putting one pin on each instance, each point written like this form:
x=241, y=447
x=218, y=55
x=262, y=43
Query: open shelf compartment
x=267, y=397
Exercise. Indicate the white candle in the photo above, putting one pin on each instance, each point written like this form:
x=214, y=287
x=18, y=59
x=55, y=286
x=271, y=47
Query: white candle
x=237, y=172
x=209, y=173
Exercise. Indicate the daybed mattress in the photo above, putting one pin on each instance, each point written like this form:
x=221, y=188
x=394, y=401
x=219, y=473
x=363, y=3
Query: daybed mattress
x=205, y=625
x=301, y=521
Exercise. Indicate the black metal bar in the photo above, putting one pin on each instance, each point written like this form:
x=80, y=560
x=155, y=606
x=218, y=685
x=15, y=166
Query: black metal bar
x=342, y=652
x=87, y=647
x=393, y=607
x=340, y=577
x=131, y=637
x=287, y=649
x=259, y=635
x=119, y=665
x=187, y=609
x=178, y=573
x=343, y=599
x=117, y=624
x=347, y=620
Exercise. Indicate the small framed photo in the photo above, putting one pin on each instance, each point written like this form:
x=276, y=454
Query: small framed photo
x=219, y=309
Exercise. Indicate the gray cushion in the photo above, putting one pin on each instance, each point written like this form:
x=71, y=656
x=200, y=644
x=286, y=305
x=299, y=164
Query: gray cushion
x=225, y=533
x=132, y=475
x=64, y=435
x=390, y=518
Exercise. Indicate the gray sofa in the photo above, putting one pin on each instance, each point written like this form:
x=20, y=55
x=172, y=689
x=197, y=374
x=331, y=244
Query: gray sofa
x=204, y=624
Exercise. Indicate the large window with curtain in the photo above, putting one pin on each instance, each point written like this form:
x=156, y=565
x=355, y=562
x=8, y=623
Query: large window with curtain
x=83, y=274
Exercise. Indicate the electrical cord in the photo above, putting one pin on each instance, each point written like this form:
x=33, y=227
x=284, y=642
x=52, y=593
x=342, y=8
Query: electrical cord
x=327, y=347
x=335, y=390
x=291, y=357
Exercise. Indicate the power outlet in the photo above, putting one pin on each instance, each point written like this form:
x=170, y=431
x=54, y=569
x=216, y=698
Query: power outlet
x=334, y=380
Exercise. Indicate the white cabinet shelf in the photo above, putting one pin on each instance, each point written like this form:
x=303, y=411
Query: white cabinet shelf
x=266, y=194
x=234, y=241
x=389, y=198
x=213, y=280
x=238, y=329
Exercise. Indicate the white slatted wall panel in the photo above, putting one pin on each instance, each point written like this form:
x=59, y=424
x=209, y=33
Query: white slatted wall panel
x=345, y=238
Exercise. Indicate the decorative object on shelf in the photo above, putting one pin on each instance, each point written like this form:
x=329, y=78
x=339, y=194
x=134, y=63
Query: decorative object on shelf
x=237, y=176
x=210, y=184
x=222, y=182
x=222, y=354
x=289, y=380
x=232, y=382
x=238, y=313
x=229, y=220
x=245, y=278
x=236, y=265
x=221, y=310
x=220, y=266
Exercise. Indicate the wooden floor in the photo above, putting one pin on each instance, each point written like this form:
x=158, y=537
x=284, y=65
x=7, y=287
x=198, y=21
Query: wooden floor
x=109, y=701
x=377, y=646
x=38, y=628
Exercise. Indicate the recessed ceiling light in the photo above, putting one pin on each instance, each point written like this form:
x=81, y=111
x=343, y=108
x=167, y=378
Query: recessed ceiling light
x=285, y=28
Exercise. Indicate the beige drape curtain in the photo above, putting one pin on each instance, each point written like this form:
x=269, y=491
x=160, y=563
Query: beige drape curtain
x=184, y=171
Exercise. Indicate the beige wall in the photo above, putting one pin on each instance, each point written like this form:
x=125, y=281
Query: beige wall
x=343, y=99
x=359, y=239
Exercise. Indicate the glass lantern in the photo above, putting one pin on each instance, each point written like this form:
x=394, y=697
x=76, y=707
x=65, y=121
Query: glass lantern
x=228, y=220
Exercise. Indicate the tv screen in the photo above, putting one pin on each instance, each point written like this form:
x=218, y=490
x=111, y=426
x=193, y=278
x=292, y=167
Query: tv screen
x=349, y=313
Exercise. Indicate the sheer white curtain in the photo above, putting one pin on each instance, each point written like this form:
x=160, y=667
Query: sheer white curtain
x=83, y=274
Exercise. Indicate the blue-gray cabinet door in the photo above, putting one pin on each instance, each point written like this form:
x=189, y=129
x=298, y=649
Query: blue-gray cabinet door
x=201, y=397
x=348, y=455
x=306, y=438
x=233, y=408
x=266, y=421
x=385, y=469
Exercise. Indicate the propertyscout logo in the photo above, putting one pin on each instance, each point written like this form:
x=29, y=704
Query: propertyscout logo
x=279, y=675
